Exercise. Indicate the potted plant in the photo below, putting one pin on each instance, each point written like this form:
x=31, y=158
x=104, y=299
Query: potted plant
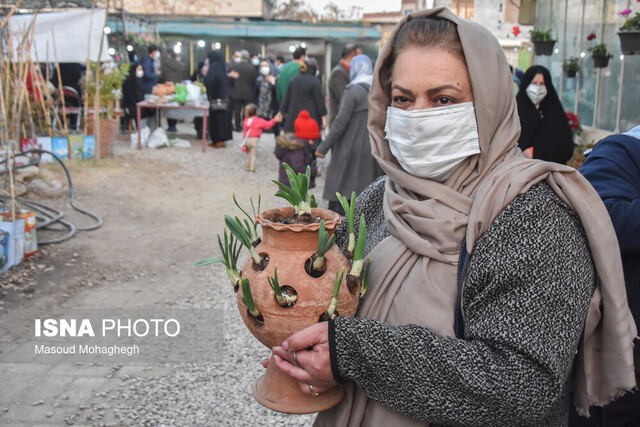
x=571, y=66
x=574, y=124
x=599, y=53
x=294, y=277
x=542, y=42
x=108, y=90
x=629, y=33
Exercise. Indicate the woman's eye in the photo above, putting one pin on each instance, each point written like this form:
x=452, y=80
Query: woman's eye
x=445, y=100
x=400, y=99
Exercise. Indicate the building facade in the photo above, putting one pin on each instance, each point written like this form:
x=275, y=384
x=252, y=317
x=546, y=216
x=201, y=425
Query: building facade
x=605, y=98
x=501, y=17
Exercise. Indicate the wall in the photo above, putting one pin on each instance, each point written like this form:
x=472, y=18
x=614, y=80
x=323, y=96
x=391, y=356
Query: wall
x=605, y=98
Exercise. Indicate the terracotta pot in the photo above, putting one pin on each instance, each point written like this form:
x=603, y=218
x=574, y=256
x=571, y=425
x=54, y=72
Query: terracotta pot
x=544, y=48
x=290, y=247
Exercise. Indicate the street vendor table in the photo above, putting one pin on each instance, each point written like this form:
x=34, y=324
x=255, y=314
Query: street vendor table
x=202, y=107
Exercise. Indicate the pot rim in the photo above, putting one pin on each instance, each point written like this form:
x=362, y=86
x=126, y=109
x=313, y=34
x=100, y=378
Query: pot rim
x=331, y=220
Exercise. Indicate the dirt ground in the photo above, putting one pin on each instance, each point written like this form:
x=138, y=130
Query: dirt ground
x=162, y=210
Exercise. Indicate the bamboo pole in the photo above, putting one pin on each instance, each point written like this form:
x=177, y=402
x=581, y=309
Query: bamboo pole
x=12, y=187
x=60, y=91
x=96, y=99
x=87, y=68
x=13, y=10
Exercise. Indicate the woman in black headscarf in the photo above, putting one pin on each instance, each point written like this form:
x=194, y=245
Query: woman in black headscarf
x=304, y=92
x=216, y=84
x=545, y=133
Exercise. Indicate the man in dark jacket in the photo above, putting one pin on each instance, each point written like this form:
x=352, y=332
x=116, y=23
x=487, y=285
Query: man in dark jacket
x=149, y=77
x=613, y=168
x=241, y=92
x=172, y=71
x=339, y=79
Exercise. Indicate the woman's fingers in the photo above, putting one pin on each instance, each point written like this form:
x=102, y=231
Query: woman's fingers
x=308, y=337
x=308, y=389
x=290, y=369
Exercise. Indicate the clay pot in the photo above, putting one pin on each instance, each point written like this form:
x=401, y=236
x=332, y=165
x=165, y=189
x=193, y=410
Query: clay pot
x=290, y=246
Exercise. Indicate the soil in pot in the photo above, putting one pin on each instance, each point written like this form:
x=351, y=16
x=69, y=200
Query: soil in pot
x=296, y=219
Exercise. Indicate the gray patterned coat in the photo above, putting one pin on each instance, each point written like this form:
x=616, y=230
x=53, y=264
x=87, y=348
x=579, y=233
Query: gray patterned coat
x=529, y=283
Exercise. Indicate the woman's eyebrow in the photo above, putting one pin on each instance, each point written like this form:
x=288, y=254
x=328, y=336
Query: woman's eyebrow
x=439, y=88
x=400, y=88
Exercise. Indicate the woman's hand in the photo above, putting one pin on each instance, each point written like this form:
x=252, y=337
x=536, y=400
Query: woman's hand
x=528, y=153
x=324, y=122
x=271, y=79
x=319, y=154
x=311, y=347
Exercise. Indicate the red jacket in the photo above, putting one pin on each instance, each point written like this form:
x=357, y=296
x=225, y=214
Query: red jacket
x=253, y=126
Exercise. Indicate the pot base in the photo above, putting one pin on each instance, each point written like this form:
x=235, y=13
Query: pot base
x=279, y=392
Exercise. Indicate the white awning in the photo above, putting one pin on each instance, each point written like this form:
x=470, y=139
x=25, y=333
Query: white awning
x=70, y=34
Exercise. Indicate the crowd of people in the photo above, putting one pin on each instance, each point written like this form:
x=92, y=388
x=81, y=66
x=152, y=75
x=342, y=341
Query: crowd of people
x=503, y=283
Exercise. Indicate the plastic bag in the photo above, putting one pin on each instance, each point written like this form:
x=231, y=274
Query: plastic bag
x=157, y=139
x=143, y=141
x=193, y=93
x=179, y=142
x=244, y=148
x=181, y=93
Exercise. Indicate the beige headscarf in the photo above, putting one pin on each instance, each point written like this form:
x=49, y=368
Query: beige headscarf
x=413, y=274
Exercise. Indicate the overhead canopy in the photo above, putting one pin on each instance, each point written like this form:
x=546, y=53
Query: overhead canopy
x=269, y=29
x=68, y=30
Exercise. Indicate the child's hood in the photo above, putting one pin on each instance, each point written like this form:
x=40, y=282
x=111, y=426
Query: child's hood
x=290, y=141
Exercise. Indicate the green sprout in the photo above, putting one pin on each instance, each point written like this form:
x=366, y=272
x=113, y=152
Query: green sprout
x=298, y=192
x=243, y=235
x=312, y=201
x=336, y=288
x=255, y=239
x=324, y=244
x=230, y=251
x=284, y=300
x=350, y=213
x=247, y=298
x=353, y=278
x=365, y=279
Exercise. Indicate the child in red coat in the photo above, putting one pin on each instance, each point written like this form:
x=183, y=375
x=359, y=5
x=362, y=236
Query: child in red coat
x=253, y=127
x=297, y=150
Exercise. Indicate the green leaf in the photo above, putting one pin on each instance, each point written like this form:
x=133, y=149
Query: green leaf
x=237, y=230
x=209, y=261
x=358, y=253
x=297, y=191
x=247, y=298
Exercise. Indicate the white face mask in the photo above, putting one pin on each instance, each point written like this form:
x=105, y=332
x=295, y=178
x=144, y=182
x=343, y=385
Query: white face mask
x=536, y=93
x=236, y=59
x=139, y=74
x=432, y=143
x=265, y=71
x=156, y=56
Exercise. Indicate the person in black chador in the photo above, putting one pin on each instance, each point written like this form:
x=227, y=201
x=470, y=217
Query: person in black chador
x=545, y=133
x=216, y=84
